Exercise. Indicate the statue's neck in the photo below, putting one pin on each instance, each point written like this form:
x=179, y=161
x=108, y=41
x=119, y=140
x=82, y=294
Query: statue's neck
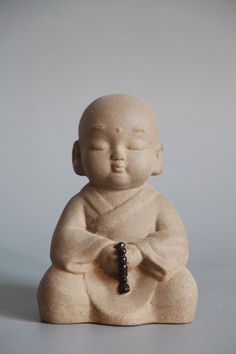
x=117, y=197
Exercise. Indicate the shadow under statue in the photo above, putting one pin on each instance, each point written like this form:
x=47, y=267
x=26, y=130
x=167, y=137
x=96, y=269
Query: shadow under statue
x=146, y=279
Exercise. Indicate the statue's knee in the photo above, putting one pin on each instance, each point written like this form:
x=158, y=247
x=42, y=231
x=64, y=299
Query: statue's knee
x=61, y=293
x=182, y=296
x=184, y=285
x=52, y=284
x=56, y=280
x=175, y=299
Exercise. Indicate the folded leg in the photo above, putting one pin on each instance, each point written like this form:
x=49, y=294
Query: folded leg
x=174, y=300
x=63, y=298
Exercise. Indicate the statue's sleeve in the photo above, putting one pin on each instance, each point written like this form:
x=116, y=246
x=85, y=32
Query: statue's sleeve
x=166, y=249
x=73, y=247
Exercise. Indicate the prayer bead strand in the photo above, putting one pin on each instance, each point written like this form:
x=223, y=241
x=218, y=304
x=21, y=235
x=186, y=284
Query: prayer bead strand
x=123, y=287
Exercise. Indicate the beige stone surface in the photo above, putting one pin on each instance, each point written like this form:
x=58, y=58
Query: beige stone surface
x=118, y=149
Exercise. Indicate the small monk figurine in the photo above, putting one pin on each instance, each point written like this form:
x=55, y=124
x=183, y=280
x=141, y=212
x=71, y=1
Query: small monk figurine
x=119, y=250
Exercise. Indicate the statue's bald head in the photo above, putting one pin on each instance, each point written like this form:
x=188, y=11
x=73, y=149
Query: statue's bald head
x=120, y=111
x=117, y=127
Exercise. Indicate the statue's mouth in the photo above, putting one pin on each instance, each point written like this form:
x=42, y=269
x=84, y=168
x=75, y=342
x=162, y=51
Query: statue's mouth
x=118, y=166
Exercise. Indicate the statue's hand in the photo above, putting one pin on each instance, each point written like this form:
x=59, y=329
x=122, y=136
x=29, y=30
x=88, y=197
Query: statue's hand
x=107, y=259
x=134, y=256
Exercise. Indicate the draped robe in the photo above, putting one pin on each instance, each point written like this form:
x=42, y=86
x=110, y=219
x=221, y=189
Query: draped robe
x=147, y=220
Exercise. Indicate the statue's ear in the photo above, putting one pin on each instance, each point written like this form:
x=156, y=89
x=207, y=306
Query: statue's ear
x=76, y=159
x=158, y=166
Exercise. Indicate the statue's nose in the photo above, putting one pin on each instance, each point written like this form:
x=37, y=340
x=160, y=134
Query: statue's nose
x=118, y=154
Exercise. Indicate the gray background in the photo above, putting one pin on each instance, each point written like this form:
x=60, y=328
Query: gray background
x=57, y=56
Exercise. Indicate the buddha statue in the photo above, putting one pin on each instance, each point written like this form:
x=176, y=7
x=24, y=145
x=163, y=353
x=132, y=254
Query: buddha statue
x=119, y=250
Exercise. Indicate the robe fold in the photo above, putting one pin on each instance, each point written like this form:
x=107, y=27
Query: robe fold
x=147, y=219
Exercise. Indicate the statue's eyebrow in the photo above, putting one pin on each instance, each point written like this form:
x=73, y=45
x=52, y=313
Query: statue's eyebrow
x=138, y=130
x=98, y=127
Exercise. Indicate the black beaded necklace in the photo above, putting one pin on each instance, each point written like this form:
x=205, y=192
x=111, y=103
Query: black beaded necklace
x=123, y=287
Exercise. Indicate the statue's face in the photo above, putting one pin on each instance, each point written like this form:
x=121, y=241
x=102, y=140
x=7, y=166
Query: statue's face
x=118, y=149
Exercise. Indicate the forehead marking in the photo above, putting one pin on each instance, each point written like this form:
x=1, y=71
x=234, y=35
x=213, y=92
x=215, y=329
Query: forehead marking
x=138, y=130
x=98, y=127
x=118, y=130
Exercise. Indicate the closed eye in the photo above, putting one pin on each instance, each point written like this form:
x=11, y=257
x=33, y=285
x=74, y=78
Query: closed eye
x=137, y=145
x=98, y=147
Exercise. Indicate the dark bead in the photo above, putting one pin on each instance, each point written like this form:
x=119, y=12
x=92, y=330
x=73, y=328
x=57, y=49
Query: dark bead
x=124, y=288
x=123, y=260
x=123, y=279
x=123, y=267
x=121, y=252
x=123, y=272
x=120, y=245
